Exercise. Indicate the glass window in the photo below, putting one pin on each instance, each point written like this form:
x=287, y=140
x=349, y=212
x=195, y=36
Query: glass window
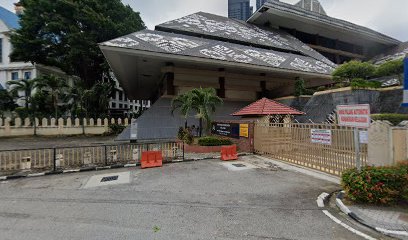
x=14, y=76
x=27, y=75
x=113, y=105
x=120, y=96
x=120, y=105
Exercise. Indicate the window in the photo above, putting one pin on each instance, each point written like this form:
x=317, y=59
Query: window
x=120, y=105
x=1, y=50
x=120, y=96
x=126, y=106
x=27, y=75
x=14, y=76
x=113, y=105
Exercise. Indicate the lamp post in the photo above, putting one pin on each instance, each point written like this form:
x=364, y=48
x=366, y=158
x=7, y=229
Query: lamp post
x=405, y=100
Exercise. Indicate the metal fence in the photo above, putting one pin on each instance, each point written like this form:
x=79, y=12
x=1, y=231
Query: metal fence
x=68, y=158
x=294, y=143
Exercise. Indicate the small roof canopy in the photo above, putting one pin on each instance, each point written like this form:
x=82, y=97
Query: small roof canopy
x=267, y=107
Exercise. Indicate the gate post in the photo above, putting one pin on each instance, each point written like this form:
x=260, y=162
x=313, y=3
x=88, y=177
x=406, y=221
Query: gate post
x=357, y=148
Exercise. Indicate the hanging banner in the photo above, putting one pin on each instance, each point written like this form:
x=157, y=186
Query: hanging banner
x=405, y=100
x=321, y=136
x=133, y=129
x=354, y=115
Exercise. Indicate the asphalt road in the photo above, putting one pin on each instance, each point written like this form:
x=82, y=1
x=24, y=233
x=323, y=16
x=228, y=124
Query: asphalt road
x=196, y=200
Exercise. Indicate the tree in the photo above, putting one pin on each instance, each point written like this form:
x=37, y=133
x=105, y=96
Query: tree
x=24, y=85
x=390, y=68
x=66, y=33
x=6, y=102
x=299, y=87
x=183, y=102
x=203, y=101
x=54, y=86
x=354, y=69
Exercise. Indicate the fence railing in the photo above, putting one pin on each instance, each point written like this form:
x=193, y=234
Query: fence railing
x=296, y=144
x=68, y=158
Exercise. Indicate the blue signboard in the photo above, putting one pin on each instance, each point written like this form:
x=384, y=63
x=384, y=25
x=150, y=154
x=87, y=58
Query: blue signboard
x=405, y=100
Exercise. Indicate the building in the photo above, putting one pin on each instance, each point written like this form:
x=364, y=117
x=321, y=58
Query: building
x=244, y=61
x=11, y=70
x=336, y=39
x=239, y=9
x=259, y=3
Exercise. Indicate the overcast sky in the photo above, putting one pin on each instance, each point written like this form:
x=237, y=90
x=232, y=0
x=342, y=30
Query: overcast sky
x=385, y=16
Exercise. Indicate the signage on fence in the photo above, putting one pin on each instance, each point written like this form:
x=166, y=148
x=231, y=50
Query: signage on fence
x=321, y=136
x=354, y=115
x=244, y=130
x=363, y=135
x=226, y=129
x=133, y=129
x=405, y=100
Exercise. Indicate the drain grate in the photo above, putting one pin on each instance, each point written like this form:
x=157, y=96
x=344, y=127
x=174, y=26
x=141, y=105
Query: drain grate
x=110, y=178
x=238, y=165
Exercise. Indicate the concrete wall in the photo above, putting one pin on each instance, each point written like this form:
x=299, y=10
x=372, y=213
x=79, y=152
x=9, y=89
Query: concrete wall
x=53, y=127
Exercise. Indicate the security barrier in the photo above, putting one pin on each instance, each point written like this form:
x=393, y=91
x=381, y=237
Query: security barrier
x=229, y=153
x=151, y=159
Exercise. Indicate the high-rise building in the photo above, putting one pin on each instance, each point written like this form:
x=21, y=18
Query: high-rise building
x=259, y=3
x=239, y=9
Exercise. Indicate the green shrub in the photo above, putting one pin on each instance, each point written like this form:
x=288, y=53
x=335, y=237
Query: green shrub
x=213, y=141
x=116, y=129
x=321, y=88
x=377, y=185
x=359, y=83
x=394, y=118
x=299, y=87
x=353, y=69
x=181, y=133
x=390, y=68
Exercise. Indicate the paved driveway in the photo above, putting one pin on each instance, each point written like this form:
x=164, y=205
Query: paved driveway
x=196, y=200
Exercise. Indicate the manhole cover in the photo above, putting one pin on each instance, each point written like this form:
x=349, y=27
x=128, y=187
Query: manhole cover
x=110, y=178
x=238, y=165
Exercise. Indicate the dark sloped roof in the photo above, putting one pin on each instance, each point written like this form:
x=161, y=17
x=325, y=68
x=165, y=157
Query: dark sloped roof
x=221, y=28
x=266, y=107
x=292, y=9
x=9, y=18
x=177, y=44
x=395, y=53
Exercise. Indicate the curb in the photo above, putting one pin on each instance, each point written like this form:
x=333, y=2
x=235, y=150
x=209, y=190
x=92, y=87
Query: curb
x=354, y=216
x=88, y=169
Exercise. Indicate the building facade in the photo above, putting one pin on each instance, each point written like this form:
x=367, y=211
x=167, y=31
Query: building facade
x=259, y=3
x=11, y=70
x=239, y=9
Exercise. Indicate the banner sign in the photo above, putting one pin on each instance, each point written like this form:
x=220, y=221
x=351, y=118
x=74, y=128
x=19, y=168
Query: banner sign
x=405, y=100
x=133, y=129
x=226, y=129
x=244, y=130
x=363, y=135
x=321, y=136
x=354, y=115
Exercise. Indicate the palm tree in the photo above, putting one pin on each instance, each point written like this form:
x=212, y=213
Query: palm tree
x=23, y=85
x=184, y=103
x=205, y=102
x=55, y=86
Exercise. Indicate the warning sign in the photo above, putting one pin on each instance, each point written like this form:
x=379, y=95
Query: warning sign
x=354, y=115
x=321, y=136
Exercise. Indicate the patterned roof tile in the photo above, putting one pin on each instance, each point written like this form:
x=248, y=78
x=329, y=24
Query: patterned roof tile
x=266, y=106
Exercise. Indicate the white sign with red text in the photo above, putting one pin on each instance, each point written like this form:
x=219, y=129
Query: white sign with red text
x=354, y=115
x=321, y=136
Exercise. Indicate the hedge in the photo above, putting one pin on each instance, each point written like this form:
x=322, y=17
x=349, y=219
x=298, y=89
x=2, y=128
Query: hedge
x=394, y=118
x=377, y=185
x=213, y=141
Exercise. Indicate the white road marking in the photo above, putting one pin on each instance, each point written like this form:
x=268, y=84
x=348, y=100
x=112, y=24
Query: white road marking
x=321, y=198
x=336, y=220
x=385, y=231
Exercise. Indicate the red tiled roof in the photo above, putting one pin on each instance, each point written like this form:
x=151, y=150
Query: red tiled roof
x=267, y=107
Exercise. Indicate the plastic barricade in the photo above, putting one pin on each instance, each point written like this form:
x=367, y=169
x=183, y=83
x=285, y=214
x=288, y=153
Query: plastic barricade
x=151, y=159
x=229, y=153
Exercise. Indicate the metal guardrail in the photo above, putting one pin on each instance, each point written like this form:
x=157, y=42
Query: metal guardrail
x=73, y=157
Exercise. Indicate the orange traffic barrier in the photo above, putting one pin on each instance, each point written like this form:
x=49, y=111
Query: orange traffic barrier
x=151, y=159
x=229, y=153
